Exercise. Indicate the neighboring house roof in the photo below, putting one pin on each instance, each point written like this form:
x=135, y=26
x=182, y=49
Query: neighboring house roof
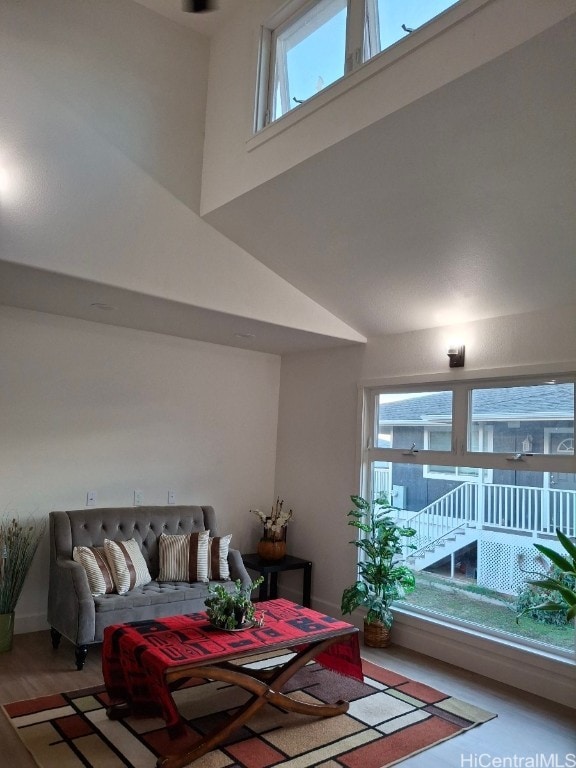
x=530, y=404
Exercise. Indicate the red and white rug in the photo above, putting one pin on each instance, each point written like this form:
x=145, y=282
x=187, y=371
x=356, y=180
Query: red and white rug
x=390, y=718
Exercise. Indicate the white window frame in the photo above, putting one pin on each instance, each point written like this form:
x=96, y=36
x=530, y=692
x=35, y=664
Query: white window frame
x=278, y=48
x=290, y=15
x=362, y=46
x=485, y=437
x=529, y=665
x=460, y=455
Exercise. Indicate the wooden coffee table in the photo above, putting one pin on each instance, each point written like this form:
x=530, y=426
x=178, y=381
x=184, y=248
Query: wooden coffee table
x=144, y=662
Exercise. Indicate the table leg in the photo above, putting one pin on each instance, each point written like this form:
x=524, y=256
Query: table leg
x=307, y=589
x=265, y=687
x=263, y=591
x=273, y=586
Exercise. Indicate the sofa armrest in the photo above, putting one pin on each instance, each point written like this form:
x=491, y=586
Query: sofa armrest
x=71, y=609
x=237, y=568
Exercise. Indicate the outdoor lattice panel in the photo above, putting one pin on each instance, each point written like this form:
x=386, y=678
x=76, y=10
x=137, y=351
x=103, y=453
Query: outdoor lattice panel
x=494, y=566
x=502, y=566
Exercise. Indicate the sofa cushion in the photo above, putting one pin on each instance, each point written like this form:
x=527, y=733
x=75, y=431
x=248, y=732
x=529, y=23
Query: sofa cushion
x=184, y=557
x=183, y=596
x=129, y=569
x=94, y=562
x=218, y=568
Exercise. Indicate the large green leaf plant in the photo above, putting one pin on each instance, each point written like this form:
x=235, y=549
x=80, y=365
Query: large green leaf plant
x=382, y=576
x=560, y=582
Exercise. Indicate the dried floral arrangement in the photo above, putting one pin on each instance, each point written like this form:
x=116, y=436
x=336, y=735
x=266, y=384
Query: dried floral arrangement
x=18, y=544
x=275, y=521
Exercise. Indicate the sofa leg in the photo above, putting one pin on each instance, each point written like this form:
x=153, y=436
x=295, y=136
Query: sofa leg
x=56, y=636
x=81, y=653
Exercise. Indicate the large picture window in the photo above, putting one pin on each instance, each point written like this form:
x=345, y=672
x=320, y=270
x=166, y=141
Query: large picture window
x=482, y=470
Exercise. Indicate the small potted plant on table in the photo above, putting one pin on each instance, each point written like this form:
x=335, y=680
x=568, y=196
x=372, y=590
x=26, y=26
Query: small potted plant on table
x=382, y=577
x=231, y=610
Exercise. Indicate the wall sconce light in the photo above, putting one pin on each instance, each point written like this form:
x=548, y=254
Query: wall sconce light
x=456, y=355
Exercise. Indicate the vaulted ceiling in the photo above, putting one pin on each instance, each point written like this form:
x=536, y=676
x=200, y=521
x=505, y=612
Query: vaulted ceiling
x=460, y=206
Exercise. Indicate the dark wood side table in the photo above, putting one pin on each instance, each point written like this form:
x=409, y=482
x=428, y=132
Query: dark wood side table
x=270, y=569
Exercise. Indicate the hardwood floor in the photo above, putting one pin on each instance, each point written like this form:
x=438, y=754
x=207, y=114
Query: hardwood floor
x=526, y=730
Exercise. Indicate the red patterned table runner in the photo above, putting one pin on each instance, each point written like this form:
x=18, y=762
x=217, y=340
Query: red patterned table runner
x=135, y=657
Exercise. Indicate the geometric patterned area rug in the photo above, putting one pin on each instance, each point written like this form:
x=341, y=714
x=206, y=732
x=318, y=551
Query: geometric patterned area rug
x=390, y=718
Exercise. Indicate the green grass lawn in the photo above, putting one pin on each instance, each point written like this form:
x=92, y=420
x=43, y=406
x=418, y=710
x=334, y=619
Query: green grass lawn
x=467, y=602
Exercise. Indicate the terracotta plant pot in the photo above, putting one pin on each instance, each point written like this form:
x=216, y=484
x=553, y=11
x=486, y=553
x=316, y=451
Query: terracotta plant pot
x=271, y=550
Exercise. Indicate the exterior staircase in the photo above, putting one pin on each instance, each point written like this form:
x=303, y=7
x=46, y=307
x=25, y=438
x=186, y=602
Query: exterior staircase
x=459, y=517
x=443, y=527
x=448, y=544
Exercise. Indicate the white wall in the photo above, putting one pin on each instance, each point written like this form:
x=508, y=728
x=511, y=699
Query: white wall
x=317, y=462
x=85, y=406
x=235, y=162
x=133, y=78
x=101, y=142
x=317, y=467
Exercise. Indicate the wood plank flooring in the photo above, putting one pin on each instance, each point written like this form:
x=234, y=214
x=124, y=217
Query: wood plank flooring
x=526, y=727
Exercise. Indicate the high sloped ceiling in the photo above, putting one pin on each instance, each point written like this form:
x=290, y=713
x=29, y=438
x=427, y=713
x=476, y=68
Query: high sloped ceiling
x=459, y=207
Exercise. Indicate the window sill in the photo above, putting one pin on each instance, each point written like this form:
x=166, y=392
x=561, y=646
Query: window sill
x=542, y=672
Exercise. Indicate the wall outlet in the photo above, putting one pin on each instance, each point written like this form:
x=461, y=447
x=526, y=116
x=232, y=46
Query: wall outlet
x=138, y=498
x=171, y=497
x=91, y=499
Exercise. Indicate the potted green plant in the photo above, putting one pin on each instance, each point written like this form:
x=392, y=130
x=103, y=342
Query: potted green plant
x=382, y=576
x=18, y=544
x=560, y=581
x=231, y=609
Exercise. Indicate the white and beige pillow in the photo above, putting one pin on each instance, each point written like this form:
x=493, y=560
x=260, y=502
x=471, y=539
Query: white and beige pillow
x=218, y=568
x=183, y=557
x=94, y=562
x=126, y=561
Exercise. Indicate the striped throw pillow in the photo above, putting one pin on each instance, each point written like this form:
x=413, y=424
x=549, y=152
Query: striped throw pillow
x=218, y=568
x=93, y=560
x=127, y=564
x=183, y=557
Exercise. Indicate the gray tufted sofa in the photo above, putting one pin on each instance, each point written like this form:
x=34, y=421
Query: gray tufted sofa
x=73, y=611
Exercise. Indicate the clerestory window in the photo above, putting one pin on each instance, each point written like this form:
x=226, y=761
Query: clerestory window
x=310, y=45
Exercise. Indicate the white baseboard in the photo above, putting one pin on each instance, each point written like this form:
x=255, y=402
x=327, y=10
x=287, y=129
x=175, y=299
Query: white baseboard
x=31, y=623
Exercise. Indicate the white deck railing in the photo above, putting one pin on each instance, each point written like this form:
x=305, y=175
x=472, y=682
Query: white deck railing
x=510, y=508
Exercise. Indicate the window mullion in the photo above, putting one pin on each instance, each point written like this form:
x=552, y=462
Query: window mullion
x=372, y=44
x=460, y=406
x=355, y=34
